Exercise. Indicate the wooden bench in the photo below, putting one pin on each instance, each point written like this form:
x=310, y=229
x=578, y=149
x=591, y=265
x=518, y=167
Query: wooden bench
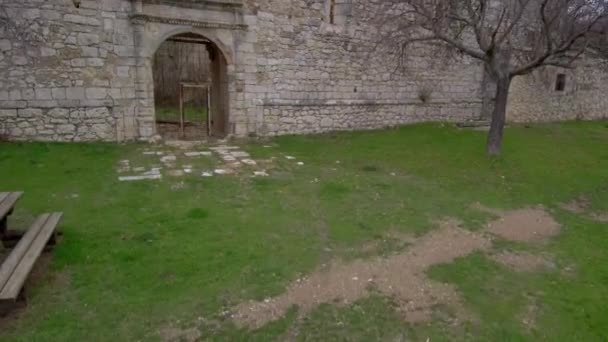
x=19, y=263
x=7, y=203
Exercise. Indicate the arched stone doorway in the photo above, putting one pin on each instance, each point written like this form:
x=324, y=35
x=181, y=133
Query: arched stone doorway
x=190, y=88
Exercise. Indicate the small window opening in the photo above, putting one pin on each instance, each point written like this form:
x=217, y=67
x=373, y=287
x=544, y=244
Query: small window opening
x=338, y=11
x=560, y=82
x=332, y=11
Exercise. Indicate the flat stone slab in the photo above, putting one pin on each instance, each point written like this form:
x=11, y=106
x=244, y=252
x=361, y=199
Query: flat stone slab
x=260, y=174
x=152, y=172
x=176, y=173
x=197, y=154
x=207, y=174
x=290, y=157
x=240, y=154
x=224, y=147
x=168, y=159
x=249, y=162
x=139, y=178
x=223, y=172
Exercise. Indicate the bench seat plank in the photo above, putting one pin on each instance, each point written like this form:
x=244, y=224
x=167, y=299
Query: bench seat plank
x=7, y=202
x=29, y=247
x=17, y=253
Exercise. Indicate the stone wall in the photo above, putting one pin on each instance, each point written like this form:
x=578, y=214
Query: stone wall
x=66, y=73
x=535, y=98
x=313, y=76
x=76, y=74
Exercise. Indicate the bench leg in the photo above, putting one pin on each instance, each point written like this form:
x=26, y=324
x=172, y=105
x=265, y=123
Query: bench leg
x=8, y=306
x=52, y=240
x=11, y=237
x=3, y=226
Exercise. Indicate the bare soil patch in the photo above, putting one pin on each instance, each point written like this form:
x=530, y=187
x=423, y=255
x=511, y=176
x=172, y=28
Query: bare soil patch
x=600, y=217
x=402, y=276
x=178, y=335
x=580, y=205
x=530, y=315
x=520, y=262
x=526, y=225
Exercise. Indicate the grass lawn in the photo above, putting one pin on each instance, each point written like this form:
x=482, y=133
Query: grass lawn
x=139, y=257
x=191, y=114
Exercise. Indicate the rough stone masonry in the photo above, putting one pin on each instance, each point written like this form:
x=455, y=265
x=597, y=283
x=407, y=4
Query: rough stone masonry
x=82, y=70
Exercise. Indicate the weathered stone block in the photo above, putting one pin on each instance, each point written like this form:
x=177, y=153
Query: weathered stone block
x=108, y=24
x=107, y=102
x=95, y=62
x=19, y=60
x=75, y=93
x=5, y=113
x=100, y=112
x=79, y=19
x=15, y=94
x=43, y=94
x=42, y=103
x=66, y=129
x=59, y=113
x=88, y=39
x=47, y=52
x=5, y=45
x=13, y=104
x=89, y=51
x=29, y=112
x=28, y=94
x=122, y=71
x=78, y=62
x=58, y=93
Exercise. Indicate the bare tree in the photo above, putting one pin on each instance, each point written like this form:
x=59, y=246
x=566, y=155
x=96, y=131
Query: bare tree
x=510, y=37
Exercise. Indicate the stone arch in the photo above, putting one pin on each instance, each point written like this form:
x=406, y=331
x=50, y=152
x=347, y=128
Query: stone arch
x=149, y=38
x=220, y=42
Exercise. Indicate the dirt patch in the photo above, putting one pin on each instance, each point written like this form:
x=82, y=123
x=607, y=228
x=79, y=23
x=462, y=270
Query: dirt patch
x=580, y=205
x=402, y=276
x=600, y=217
x=526, y=225
x=520, y=262
x=178, y=335
x=530, y=315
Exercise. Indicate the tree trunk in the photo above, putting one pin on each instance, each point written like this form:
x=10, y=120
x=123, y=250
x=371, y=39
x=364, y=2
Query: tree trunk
x=488, y=92
x=499, y=114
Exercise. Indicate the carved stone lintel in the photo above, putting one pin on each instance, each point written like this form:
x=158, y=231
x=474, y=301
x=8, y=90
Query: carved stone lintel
x=143, y=18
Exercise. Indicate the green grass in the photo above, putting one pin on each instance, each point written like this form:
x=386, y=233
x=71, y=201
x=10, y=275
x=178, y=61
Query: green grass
x=138, y=257
x=191, y=114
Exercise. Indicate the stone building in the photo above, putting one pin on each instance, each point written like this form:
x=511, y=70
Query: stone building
x=80, y=70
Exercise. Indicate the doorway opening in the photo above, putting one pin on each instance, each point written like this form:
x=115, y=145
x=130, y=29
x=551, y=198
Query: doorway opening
x=190, y=88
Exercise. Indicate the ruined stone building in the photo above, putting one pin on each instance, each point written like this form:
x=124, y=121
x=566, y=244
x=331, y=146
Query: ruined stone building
x=80, y=70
